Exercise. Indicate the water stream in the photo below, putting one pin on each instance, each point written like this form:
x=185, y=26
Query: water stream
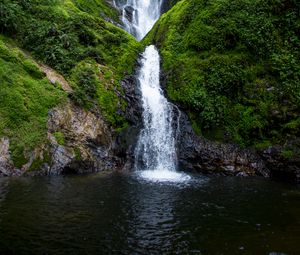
x=139, y=16
x=155, y=152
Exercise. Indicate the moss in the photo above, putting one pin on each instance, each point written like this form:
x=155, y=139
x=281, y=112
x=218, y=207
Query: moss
x=98, y=7
x=195, y=125
x=293, y=125
x=46, y=156
x=25, y=99
x=122, y=127
x=69, y=36
x=32, y=69
x=39, y=162
x=36, y=165
x=95, y=84
x=287, y=154
x=263, y=145
x=60, y=138
x=62, y=33
x=77, y=154
x=229, y=71
x=17, y=155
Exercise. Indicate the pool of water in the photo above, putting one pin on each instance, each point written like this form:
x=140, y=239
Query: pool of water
x=127, y=214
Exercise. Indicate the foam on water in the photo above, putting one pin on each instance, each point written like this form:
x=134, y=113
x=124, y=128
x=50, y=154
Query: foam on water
x=162, y=175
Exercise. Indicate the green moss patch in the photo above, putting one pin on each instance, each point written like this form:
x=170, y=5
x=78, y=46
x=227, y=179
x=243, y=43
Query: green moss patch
x=74, y=38
x=25, y=99
x=95, y=86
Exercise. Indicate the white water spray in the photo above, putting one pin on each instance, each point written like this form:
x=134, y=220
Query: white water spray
x=155, y=153
x=139, y=16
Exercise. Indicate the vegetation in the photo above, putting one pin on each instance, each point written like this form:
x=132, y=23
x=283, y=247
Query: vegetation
x=60, y=138
x=234, y=66
x=74, y=38
x=94, y=85
x=25, y=99
x=64, y=33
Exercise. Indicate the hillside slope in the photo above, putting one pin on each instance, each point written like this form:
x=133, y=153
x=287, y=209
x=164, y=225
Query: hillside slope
x=26, y=96
x=74, y=38
x=234, y=66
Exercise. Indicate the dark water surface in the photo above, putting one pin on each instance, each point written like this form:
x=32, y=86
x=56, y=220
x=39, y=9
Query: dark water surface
x=121, y=214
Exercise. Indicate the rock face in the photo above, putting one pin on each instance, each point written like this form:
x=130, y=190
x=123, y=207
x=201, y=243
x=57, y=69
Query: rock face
x=79, y=141
x=6, y=166
x=167, y=5
x=54, y=77
x=87, y=146
x=281, y=167
x=198, y=154
x=127, y=140
x=129, y=13
x=201, y=155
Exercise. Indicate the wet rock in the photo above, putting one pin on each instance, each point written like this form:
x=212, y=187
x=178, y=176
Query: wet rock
x=195, y=153
x=127, y=139
x=281, y=167
x=61, y=158
x=201, y=155
x=118, y=3
x=88, y=144
x=129, y=13
x=198, y=154
x=6, y=166
x=132, y=93
x=167, y=5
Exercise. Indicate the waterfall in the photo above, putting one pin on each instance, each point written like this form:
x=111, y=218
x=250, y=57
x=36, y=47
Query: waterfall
x=155, y=153
x=156, y=144
x=139, y=16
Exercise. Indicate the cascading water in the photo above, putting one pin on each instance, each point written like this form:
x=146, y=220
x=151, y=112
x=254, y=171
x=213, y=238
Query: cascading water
x=139, y=16
x=155, y=153
x=156, y=143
